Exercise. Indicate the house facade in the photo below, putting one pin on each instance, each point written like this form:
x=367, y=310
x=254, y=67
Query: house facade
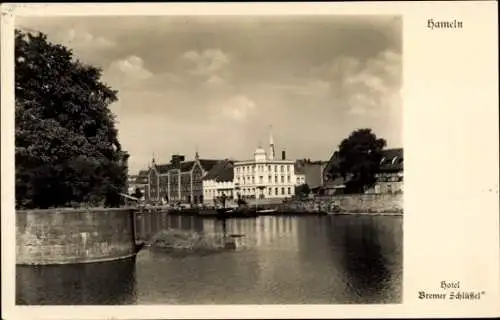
x=265, y=176
x=218, y=182
x=178, y=181
x=310, y=172
x=389, y=176
x=138, y=181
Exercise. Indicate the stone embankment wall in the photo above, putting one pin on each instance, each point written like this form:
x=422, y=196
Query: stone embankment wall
x=358, y=203
x=64, y=236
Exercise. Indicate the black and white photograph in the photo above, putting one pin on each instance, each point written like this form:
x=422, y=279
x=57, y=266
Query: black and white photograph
x=209, y=160
x=250, y=159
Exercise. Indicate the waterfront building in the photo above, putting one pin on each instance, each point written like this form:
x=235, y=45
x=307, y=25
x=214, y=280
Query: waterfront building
x=179, y=180
x=389, y=175
x=138, y=181
x=219, y=181
x=310, y=172
x=264, y=176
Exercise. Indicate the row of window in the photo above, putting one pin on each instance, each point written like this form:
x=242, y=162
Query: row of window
x=218, y=192
x=260, y=168
x=261, y=179
x=268, y=191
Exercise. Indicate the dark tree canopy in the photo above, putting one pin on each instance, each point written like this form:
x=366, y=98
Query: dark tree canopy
x=303, y=189
x=137, y=194
x=67, y=149
x=359, y=159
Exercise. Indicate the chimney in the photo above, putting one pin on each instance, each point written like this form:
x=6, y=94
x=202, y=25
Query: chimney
x=283, y=155
x=176, y=160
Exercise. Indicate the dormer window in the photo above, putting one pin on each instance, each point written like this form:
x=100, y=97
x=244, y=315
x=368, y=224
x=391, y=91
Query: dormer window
x=382, y=160
x=394, y=160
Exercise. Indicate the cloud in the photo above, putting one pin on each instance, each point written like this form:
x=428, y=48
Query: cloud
x=215, y=82
x=237, y=108
x=207, y=62
x=83, y=39
x=128, y=72
x=370, y=87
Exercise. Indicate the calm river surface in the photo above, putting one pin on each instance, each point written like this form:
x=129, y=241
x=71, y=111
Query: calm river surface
x=280, y=260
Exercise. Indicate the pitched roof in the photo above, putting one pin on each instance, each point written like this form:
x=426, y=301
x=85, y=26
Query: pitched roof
x=299, y=167
x=392, y=160
x=208, y=164
x=186, y=166
x=142, y=177
x=222, y=171
x=164, y=168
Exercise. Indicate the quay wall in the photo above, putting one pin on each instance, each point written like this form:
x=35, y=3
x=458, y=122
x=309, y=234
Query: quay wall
x=66, y=236
x=352, y=203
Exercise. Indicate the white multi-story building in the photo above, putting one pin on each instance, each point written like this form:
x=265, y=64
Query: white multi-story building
x=264, y=176
x=219, y=182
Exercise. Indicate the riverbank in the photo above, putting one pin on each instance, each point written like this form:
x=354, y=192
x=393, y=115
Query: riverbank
x=359, y=204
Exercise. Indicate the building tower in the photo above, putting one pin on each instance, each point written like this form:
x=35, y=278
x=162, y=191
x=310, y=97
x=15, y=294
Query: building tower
x=271, y=144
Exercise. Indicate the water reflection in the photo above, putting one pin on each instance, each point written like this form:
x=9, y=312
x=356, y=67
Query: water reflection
x=278, y=260
x=106, y=283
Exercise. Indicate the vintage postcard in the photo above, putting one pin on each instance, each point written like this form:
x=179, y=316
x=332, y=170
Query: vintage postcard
x=241, y=160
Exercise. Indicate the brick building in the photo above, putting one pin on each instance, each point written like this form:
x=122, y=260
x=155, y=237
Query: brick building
x=178, y=181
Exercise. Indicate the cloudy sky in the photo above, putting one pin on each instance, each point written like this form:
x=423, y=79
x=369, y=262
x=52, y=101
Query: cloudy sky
x=215, y=84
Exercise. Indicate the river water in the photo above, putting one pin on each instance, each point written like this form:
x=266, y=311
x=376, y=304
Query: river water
x=279, y=260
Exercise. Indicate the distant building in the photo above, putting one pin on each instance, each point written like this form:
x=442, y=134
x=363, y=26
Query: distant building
x=300, y=174
x=264, y=176
x=138, y=181
x=389, y=176
x=310, y=172
x=218, y=182
x=179, y=180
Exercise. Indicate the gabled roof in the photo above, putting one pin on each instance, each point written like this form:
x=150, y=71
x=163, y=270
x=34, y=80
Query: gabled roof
x=142, y=177
x=392, y=160
x=163, y=168
x=208, y=164
x=222, y=171
x=299, y=167
x=187, y=166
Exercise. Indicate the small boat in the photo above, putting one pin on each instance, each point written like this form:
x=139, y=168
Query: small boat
x=267, y=211
x=232, y=213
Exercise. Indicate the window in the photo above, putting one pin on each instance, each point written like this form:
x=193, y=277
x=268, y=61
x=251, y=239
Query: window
x=275, y=179
x=253, y=180
x=269, y=167
x=282, y=190
x=275, y=168
x=287, y=168
x=270, y=191
x=298, y=180
x=282, y=169
x=289, y=179
x=289, y=190
x=282, y=179
x=276, y=191
x=261, y=179
x=270, y=179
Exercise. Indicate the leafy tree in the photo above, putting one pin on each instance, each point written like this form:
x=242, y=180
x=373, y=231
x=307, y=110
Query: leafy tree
x=359, y=158
x=67, y=148
x=137, y=194
x=303, y=189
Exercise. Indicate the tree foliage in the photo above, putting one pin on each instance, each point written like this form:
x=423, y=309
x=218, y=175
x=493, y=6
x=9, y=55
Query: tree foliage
x=303, y=189
x=359, y=158
x=137, y=194
x=67, y=149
